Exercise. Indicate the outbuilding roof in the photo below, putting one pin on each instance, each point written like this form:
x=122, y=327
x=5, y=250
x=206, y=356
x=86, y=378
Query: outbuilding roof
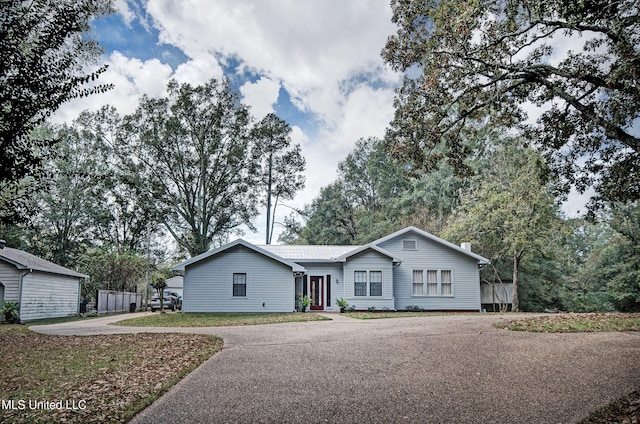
x=25, y=260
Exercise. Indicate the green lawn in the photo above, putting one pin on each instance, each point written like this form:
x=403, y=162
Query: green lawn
x=180, y=319
x=107, y=379
x=401, y=314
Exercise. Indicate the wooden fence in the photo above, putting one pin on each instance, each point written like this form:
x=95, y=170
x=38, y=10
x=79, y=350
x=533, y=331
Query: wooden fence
x=112, y=302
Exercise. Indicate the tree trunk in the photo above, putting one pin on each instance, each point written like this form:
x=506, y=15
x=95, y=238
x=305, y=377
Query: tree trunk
x=269, y=188
x=515, y=307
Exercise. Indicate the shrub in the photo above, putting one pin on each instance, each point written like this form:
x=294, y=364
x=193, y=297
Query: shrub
x=371, y=309
x=11, y=310
x=414, y=308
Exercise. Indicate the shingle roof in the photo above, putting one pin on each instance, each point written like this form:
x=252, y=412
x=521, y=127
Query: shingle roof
x=24, y=260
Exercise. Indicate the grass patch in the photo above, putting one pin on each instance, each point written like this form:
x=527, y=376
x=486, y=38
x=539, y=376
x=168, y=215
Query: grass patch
x=107, y=378
x=217, y=319
x=575, y=323
x=401, y=314
x=623, y=410
x=383, y=315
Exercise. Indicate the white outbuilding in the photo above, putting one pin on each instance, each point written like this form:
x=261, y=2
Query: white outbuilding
x=41, y=288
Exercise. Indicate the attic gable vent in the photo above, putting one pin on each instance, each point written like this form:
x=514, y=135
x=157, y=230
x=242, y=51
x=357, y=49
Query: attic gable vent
x=409, y=245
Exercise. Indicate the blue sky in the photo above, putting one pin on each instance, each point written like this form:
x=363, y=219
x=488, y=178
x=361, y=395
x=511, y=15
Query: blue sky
x=316, y=64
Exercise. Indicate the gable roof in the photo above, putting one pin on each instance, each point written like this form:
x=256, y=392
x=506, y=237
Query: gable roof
x=371, y=246
x=24, y=260
x=480, y=259
x=239, y=242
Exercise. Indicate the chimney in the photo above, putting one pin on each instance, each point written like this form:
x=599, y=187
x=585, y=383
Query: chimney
x=466, y=246
x=3, y=243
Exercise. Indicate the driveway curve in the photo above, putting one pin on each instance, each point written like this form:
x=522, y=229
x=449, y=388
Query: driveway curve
x=429, y=369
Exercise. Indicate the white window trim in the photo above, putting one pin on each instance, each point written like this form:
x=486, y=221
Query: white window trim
x=367, y=284
x=246, y=286
x=413, y=283
x=440, y=283
x=425, y=285
x=381, y=284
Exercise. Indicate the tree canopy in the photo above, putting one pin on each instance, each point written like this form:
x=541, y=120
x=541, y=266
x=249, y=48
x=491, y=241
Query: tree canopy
x=282, y=165
x=487, y=61
x=510, y=212
x=193, y=152
x=45, y=47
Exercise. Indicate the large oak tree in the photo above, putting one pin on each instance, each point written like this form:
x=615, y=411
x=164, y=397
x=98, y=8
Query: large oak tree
x=194, y=153
x=468, y=63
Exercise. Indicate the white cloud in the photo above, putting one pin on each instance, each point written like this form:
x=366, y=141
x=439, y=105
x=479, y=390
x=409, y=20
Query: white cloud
x=576, y=203
x=311, y=47
x=198, y=72
x=261, y=96
x=122, y=6
x=365, y=113
x=131, y=78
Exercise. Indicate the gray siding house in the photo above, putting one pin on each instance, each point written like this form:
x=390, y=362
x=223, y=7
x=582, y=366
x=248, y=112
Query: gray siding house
x=407, y=268
x=41, y=288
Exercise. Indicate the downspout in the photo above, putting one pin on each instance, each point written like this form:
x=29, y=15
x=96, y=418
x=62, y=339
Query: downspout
x=393, y=283
x=79, y=295
x=20, y=294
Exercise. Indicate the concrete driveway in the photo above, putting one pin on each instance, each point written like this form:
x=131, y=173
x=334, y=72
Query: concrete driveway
x=439, y=369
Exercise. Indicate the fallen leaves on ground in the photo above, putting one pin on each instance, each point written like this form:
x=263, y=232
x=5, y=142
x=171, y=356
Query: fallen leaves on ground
x=575, y=323
x=112, y=377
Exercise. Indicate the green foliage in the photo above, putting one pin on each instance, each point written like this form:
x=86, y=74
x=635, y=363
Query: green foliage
x=342, y=302
x=305, y=301
x=282, y=165
x=72, y=201
x=614, y=265
x=45, y=48
x=510, y=213
x=330, y=218
x=469, y=64
x=111, y=270
x=11, y=312
x=194, y=153
x=375, y=195
x=414, y=308
x=127, y=214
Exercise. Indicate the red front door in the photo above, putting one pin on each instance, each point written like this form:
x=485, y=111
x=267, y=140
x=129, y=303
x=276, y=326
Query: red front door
x=317, y=293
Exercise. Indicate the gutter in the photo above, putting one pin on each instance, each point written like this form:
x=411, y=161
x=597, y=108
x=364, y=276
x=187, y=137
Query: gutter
x=20, y=294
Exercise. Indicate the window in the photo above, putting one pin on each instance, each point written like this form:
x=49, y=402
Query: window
x=239, y=284
x=375, y=283
x=418, y=283
x=432, y=282
x=360, y=283
x=446, y=282
x=409, y=245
